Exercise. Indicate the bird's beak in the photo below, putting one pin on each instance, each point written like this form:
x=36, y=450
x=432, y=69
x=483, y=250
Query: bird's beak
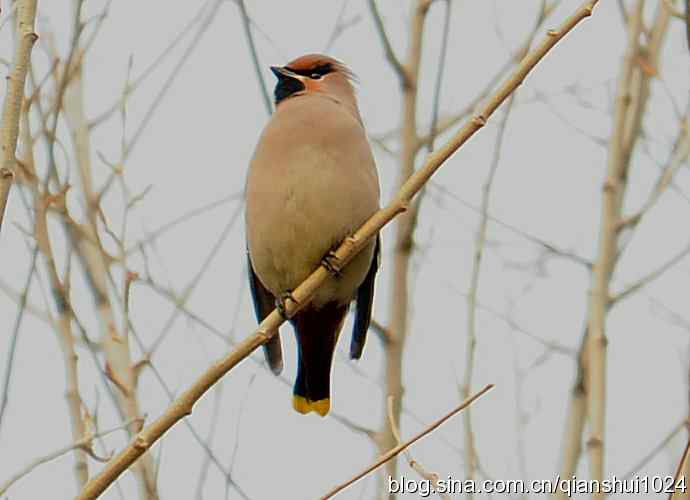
x=282, y=72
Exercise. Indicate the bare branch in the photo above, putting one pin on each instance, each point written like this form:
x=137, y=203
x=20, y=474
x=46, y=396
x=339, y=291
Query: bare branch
x=201, y=31
x=383, y=332
x=439, y=76
x=631, y=100
x=403, y=446
x=432, y=477
x=680, y=154
x=7, y=378
x=157, y=233
x=255, y=57
x=136, y=84
x=447, y=122
x=82, y=444
x=654, y=451
x=647, y=279
x=341, y=25
x=404, y=233
x=551, y=248
x=470, y=449
x=12, y=106
x=400, y=70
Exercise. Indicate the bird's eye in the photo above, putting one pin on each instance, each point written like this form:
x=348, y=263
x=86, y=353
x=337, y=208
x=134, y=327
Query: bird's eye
x=315, y=76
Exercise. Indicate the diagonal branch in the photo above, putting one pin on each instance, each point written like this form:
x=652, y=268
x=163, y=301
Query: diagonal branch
x=394, y=452
x=432, y=477
x=84, y=443
x=255, y=57
x=648, y=278
x=183, y=405
x=400, y=70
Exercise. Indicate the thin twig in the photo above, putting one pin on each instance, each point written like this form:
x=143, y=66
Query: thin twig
x=447, y=122
x=400, y=70
x=83, y=443
x=648, y=278
x=148, y=71
x=551, y=248
x=163, y=92
x=403, y=446
x=157, y=233
x=654, y=451
x=341, y=25
x=203, y=269
x=470, y=449
x=439, y=76
x=432, y=477
x=21, y=308
x=255, y=57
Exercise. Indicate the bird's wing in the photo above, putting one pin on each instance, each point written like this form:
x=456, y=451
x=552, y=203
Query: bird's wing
x=365, y=300
x=264, y=303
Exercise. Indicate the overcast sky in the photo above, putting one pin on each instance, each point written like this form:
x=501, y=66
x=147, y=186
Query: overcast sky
x=195, y=150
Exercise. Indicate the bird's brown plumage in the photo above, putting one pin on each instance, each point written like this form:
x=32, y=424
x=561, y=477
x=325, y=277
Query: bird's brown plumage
x=311, y=183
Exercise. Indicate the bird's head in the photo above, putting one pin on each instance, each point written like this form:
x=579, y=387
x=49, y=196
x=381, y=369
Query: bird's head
x=314, y=73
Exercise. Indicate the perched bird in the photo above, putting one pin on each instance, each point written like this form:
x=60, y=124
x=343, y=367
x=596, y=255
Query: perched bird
x=312, y=182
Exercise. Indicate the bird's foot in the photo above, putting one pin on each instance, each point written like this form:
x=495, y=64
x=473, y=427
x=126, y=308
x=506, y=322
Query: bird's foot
x=281, y=303
x=332, y=264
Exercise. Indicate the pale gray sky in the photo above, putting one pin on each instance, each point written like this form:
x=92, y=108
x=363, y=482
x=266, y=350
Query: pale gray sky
x=195, y=150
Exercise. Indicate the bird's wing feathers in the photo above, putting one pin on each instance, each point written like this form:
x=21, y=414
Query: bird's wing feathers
x=365, y=300
x=264, y=303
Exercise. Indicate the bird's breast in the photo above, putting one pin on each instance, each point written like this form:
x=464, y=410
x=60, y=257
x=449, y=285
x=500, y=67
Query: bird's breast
x=304, y=196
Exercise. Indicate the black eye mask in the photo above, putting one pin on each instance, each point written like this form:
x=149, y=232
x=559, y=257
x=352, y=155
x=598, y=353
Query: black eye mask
x=320, y=70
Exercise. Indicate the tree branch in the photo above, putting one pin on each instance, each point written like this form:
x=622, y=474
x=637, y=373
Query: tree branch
x=84, y=443
x=400, y=70
x=11, y=110
x=403, y=446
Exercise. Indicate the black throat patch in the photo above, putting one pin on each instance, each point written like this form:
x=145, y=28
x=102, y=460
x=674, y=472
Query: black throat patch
x=285, y=87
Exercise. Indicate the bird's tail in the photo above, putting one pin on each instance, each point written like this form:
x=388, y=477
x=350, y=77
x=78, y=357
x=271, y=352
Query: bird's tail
x=317, y=334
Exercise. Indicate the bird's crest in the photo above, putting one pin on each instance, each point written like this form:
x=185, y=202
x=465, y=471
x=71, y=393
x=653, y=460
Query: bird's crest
x=307, y=64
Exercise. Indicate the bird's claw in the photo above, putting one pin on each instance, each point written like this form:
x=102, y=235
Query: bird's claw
x=332, y=264
x=281, y=303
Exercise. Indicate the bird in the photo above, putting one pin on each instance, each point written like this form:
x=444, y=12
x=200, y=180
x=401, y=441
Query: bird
x=312, y=182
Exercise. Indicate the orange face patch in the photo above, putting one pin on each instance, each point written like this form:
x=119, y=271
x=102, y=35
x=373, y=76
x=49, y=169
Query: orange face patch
x=311, y=85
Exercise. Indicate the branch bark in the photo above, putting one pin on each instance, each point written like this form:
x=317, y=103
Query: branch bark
x=631, y=101
x=83, y=444
x=400, y=447
x=397, y=326
x=400, y=70
x=119, y=363
x=12, y=106
x=632, y=96
x=471, y=458
x=183, y=405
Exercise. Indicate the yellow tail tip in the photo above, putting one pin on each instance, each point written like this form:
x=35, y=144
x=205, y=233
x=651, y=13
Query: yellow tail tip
x=303, y=405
